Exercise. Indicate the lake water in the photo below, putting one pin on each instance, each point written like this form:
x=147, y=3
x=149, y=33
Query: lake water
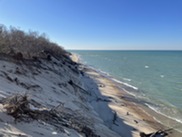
x=155, y=76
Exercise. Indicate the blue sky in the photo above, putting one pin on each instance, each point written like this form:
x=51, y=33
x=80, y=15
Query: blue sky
x=100, y=24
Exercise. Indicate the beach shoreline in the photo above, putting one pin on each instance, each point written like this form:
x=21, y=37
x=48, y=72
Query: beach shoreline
x=136, y=114
x=133, y=112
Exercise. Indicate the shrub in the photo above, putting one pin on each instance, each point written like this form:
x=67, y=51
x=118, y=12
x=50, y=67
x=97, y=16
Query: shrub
x=29, y=44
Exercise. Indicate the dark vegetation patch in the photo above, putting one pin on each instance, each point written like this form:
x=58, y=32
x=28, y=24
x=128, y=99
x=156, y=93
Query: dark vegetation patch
x=28, y=45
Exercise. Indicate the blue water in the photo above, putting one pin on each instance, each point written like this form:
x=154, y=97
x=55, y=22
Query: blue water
x=156, y=74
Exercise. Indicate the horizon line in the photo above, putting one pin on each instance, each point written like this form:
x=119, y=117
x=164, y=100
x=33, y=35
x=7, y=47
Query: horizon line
x=128, y=49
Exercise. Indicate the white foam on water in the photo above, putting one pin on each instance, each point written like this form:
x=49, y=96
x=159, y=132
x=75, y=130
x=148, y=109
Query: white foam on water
x=159, y=112
x=146, y=67
x=129, y=92
x=120, y=82
x=126, y=84
x=127, y=79
x=103, y=72
x=99, y=71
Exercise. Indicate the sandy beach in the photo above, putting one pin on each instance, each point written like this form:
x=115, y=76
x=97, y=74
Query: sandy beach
x=134, y=115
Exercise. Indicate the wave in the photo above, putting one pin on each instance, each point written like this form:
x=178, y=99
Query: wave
x=127, y=79
x=129, y=92
x=126, y=84
x=103, y=73
x=111, y=77
x=159, y=112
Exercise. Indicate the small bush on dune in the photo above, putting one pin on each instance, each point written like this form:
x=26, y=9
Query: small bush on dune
x=31, y=44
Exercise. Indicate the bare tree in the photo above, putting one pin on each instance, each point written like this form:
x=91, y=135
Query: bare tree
x=30, y=44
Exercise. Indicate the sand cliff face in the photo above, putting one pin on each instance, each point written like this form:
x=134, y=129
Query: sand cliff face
x=50, y=84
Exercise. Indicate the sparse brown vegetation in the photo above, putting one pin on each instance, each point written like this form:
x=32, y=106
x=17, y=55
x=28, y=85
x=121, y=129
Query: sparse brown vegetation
x=31, y=45
x=18, y=106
